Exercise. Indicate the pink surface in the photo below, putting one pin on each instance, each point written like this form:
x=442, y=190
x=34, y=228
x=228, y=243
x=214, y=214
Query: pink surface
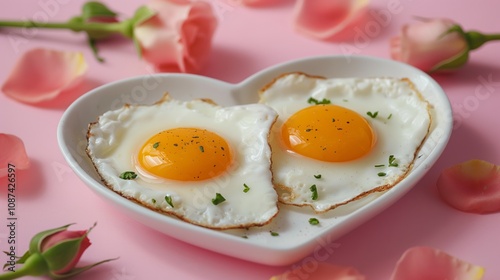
x=246, y=41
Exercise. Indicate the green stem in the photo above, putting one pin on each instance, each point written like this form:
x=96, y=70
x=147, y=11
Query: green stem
x=14, y=274
x=492, y=37
x=35, y=265
x=477, y=39
x=118, y=27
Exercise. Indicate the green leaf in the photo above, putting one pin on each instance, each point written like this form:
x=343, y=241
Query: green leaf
x=79, y=270
x=454, y=62
x=76, y=20
x=128, y=175
x=36, y=241
x=19, y=260
x=218, y=199
x=96, y=9
x=92, y=43
x=62, y=254
x=313, y=221
x=392, y=161
x=168, y=199
x=315, y=101
x=142, y=14
x=458, y=60
x=314, y=192
x=92, y=10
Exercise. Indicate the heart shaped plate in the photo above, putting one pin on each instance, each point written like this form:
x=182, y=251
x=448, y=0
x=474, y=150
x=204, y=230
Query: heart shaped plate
x=297, y=238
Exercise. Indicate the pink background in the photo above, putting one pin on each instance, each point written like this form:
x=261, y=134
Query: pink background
x=248, y=40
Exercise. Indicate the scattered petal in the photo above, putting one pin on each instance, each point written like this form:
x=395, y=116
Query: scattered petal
x=321, y=271
x=42, y=74
x=323, y=19
x=427, y=263
x=179, y=36
x=12, y=151
x=472, y=186
x=255, y=2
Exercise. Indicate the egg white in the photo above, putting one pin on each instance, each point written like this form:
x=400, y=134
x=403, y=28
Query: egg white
x=402, y=123
x=115, y=139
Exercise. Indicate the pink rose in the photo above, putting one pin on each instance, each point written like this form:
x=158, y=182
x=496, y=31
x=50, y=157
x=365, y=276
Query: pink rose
x=179, y=36
x=429, y=44
x=54, y=253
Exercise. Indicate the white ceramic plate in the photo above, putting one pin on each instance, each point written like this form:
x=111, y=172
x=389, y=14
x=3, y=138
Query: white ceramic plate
x=297, y=238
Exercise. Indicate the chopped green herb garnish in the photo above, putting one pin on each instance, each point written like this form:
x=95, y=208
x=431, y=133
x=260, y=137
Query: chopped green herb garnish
x=372, y=115
x=273, y=233
x=155, y=145
x=381, y=174
x=314, y=190
x=168, y=199
x=313, y=100
x=314, y=221
x=392, y=161
x=128, y=175
x=389, y=117
x=380, y=165
x=246, y=188
x=218, y=199
x=202, y=149
x=318, y=176
x=153, y=200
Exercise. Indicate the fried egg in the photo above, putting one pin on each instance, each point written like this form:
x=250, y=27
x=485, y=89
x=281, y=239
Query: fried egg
x=206, y=164
x=338, y=140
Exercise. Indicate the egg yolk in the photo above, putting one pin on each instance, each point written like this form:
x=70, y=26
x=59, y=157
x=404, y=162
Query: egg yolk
x=185, y=154
x=328, y=133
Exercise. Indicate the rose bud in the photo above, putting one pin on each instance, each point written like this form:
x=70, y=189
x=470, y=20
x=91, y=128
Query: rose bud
x=54, y=253
x=436, y=44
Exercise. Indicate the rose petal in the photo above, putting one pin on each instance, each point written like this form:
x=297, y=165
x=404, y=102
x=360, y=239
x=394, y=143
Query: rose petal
x=321, y=271
x=324, y=18
x=179, y=36
x=42, y=74
x=419, y=263
x=255, y=2
x=13, y=152
x=472, y=186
